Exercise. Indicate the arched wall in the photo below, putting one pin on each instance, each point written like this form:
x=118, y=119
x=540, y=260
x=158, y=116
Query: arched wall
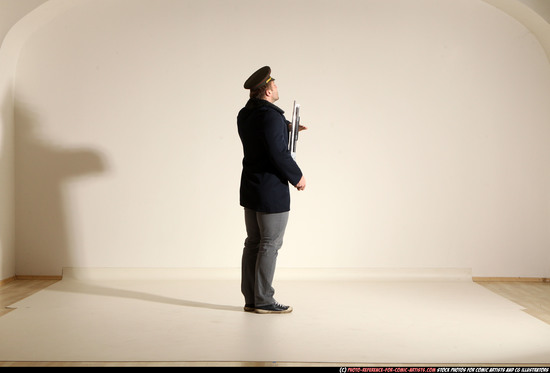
x=13, y=33
x=533, y=14
x=427, y=144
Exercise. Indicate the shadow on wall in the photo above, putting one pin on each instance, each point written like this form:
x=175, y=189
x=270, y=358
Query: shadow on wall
x=42, y=172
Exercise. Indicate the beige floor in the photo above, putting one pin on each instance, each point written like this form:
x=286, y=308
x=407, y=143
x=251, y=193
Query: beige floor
x=199, y=321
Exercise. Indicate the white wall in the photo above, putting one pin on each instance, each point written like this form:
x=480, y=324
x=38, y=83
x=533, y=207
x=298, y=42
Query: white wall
x=427, y=144
x=11, y=11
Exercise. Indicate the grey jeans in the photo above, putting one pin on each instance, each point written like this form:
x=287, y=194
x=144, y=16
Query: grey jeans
x=265, y=234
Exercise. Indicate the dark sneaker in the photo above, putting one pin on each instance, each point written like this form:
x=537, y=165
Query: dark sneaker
x=273, y=308
x=249, y=308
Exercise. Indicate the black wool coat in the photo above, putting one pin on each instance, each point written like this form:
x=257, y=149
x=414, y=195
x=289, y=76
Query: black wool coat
x=268, y=166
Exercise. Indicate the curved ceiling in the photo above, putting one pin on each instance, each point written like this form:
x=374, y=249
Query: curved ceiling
x=533, y=14
x=542, y=7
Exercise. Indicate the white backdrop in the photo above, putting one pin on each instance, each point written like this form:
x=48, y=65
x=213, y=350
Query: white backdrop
x=427, y=147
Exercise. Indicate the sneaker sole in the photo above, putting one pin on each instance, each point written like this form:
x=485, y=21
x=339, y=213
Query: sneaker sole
x=259, y=310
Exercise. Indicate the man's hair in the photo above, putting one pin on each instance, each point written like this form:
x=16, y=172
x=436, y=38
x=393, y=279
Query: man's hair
x=260, y=92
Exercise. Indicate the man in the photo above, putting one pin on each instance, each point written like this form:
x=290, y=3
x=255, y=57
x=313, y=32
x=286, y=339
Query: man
x=268, y=167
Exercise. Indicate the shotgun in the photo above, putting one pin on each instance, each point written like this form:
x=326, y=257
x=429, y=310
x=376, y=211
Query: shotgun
x=294, y=130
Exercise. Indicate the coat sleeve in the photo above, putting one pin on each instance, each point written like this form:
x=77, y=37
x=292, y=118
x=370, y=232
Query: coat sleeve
x=276, y=141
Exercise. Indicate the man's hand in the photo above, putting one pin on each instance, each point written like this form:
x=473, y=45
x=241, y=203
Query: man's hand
x=301, y=184
x=300, y=127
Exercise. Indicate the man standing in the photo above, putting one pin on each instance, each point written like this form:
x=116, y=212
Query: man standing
x=268, y=167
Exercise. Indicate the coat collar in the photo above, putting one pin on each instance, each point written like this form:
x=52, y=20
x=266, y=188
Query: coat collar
x=255, y=103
